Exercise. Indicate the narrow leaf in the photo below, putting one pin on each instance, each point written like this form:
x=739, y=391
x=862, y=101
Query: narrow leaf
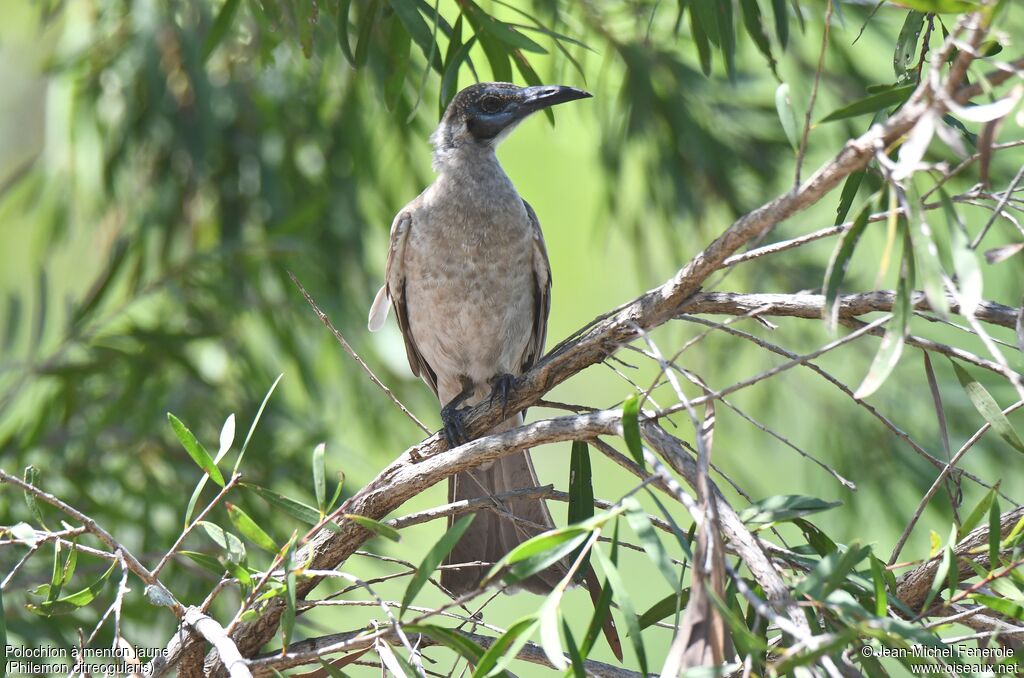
x=988, y=408
x=249, y=529
x=872, y=103
x=195, y=450
x=641, y=525
x=434, y=557
x=631, y=429
x=840, y=261
x=787, y=115
x=375, y=526
x=221, y=24
x=319, y=477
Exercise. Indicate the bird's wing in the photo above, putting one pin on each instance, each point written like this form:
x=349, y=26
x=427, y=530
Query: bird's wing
x=541, y=293
x=393, y=293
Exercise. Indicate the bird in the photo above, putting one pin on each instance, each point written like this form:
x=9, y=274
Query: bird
x=470, y=281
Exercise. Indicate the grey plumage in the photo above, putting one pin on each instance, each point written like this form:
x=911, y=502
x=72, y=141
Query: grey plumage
x=469, y=278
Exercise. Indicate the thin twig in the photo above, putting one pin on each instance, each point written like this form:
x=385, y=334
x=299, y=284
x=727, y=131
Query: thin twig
x=351, y=351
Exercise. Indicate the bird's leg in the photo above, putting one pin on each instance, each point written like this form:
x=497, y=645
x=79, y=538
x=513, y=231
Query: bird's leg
x=501, y=389
x=452, y=415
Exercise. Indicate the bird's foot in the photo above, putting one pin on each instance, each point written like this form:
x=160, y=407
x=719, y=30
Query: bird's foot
x=453, y=416
x=501, y=390
x=454, y=425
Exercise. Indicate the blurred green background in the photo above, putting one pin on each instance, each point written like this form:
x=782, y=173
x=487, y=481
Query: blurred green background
x=160, y=173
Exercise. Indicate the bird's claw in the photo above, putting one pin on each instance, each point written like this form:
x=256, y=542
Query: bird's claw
x=501, y=390
x=454, y=425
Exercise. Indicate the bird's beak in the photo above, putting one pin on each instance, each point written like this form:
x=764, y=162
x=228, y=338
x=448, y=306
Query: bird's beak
x=544, y=96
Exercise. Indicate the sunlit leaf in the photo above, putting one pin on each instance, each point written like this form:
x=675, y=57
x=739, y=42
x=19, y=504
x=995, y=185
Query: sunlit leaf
x=375, y=526
x=872, y=103
x=249, y=529
x=988, y=408
x=434, y=557
x=196, y=450
x=785, y=507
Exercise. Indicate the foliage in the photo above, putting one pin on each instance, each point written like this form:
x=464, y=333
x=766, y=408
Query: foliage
x=206, y=148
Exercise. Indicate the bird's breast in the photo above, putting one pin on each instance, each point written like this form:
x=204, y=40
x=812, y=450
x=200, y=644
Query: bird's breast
x=469, y=283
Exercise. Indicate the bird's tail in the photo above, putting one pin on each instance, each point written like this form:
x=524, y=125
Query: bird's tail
x=501, y=527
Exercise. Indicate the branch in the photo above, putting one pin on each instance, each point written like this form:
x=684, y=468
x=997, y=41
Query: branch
x=912, y=588
x=850, y=305
x=307, y=651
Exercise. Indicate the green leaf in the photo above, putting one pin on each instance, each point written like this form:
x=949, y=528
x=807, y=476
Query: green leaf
x=453, y=58
x=785, y=507
x=346, y=49
x=942, y=571
x=631, y=429
x=398, y=63
x=195, y=450
x=380, y=528
x=221, y=24
x=787, y=115
x=625, y=601
x=319, y=478
x=367, y=19
x=333, y=671
x=418, y=30
x=497, y=56
x=641, y=525
x=831, y=572
x=664, y=608
x=502, y=651
x=780, y=12
x=227, y=541
x=700, y=37
x=978, y=512
x=465, y=647
x=881, y=595
x=255, y=421
x=71, y=602
x=1009, y=608
x=994, y=533
x=249, y=529
x=988, y=408
x=891, y=346
x=296, y=509
x=575, y=658
x=537, y=554
x=727, y=34
x=205, y=561
x=926, y=254
x=31, y=476
x=483, y=21
x=941, y=6
x=849, y=192
x=434, y=557
x=840, y=262
x=754, y=25
x=906, y=45
x=227, y=436
x=965, y=261
x=581, y=494
x=704, y=12
x=601, y=611
x=872, y=103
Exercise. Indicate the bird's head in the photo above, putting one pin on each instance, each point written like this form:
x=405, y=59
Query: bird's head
x=482, y=115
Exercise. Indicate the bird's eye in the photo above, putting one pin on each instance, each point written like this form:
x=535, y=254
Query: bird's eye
x=490, y=104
